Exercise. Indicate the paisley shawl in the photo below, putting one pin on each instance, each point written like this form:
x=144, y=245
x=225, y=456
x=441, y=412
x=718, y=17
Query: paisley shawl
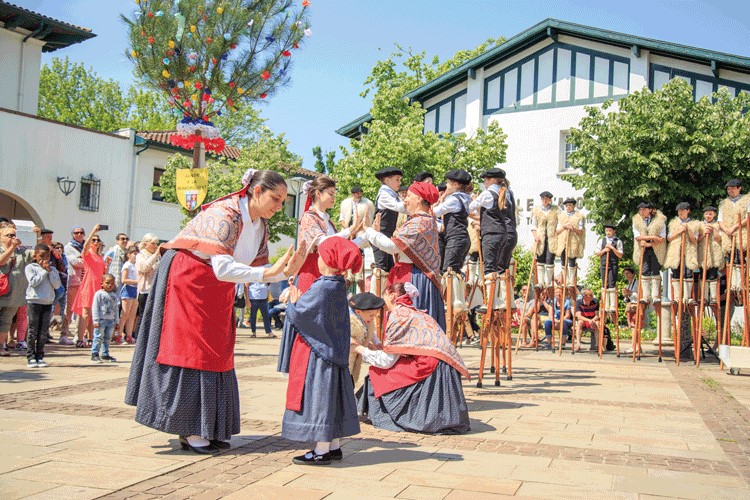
x=216, y=228
x=418, y=240
x=412, y=332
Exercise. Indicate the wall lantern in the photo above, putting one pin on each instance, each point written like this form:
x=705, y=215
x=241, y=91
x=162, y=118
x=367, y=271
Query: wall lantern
x=66, y=185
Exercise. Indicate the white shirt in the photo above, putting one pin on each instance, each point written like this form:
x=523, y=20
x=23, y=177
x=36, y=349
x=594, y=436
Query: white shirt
x=452, y=204
x=379, y=359
x=609, y=242
x=485, y=199
x=388, y=199
x=236, y=268
x=384, y=243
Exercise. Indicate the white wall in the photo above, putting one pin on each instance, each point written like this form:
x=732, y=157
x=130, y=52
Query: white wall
x=20, y=63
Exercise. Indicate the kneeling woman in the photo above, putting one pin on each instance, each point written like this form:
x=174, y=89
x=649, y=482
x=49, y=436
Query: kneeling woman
x=415, y=248
x=182, y=379
x=414, y=383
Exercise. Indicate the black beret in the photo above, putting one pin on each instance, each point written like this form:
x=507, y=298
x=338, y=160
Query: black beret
x=442, y=187
x=734, y=183
x=610, y=224
x=356, y=189
x=645, y=204
x=366, y=301
x=569, y=200
x=683, y=205
x=546, y=194
x=46, y=231
x=387, y=171
x=494, y=173
x=458, y=175
x=710, y=209
x=421, y=176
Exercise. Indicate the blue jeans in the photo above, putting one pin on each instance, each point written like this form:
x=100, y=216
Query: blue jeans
x=102, y=336
x=255, y=306
x=567, y=324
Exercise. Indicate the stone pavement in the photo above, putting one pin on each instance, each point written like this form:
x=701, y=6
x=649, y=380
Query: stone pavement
x=564, y=427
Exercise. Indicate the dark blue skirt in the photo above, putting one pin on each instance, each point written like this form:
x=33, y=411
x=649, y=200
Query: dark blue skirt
x=288, y=334
x=430, y=298
x=433, y=405
x=176, y=400
x=329, y=409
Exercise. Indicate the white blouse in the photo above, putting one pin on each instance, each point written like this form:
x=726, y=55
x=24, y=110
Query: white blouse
x=384, y=243
x=236, y=268
x=379, y=359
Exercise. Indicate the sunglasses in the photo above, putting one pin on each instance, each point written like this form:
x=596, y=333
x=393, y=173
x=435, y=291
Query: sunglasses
x=95, y=240
x=10, y=235
x=124, y=239
x=78, y=232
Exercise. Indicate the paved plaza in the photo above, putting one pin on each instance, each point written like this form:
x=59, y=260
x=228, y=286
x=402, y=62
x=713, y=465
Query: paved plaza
x=564, y=427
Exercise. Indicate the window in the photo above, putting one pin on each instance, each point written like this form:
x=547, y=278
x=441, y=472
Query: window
x=703, y=85
x=566, y=149
x=557, y=75
x=447, y=116
x=90, y=186
x=156, y=195
x=290, y=206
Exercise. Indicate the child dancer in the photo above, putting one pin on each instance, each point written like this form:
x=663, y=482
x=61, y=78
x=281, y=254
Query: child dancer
x=363, y=308
x=105, y=316
x=320, y=404
x=40, y=294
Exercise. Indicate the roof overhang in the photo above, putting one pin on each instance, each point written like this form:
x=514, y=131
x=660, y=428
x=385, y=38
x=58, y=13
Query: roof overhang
x=54, y=33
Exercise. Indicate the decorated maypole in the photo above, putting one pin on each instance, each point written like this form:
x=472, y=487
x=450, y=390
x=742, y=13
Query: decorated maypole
x=212, y=57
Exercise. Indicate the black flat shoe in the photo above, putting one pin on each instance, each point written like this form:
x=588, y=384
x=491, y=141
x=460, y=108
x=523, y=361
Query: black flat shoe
x=220, y=444
x=310, y=458
x=201, y=450
x=336, y=454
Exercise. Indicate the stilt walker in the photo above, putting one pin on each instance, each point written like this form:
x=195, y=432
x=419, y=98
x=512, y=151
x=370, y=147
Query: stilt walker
x=602, y=304
x=638, y=315
x=571, y=222
x=609, y=252
x=678, y=335
x=565, y=293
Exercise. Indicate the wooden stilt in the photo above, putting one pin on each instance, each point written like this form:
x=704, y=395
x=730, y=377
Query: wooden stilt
x=727, y=336
x=702, y=301
x=680, y=304
x=638, y=312
x=486, y=330
x=603, y=303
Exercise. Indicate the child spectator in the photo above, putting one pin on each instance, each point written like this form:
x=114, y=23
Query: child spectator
x=105, y=316
x=40, y=294
x=129, y=296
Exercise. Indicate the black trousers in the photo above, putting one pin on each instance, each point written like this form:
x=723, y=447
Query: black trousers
x=546, y=257
x=571, y=261
x=442, y=241
x=36, y=336
x=456, y=249
x=383, y=260
x=651, y=266
x=497, y=251
x=682, y=271
x=611, y=281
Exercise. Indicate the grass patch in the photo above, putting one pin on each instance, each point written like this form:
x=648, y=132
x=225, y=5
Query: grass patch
x=713, y=384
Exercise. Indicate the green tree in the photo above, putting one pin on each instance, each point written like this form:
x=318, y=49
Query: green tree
x=148, y=111
x=661, y=146
x=212, y=57
x=70, y=93
x=395, y=135
x=269, y=151
x=323, y=163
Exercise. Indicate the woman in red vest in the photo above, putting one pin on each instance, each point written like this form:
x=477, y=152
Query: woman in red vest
x=414, y=383
x=182, y=379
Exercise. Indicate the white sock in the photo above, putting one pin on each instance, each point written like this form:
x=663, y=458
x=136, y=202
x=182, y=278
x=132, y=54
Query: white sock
x=322, y=448
x=197, y=441
x=335, y=445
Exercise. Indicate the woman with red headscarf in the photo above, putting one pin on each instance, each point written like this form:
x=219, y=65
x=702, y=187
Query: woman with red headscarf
x=414, y=383
x=314, y=227
x=415, y=249
x=320, y=404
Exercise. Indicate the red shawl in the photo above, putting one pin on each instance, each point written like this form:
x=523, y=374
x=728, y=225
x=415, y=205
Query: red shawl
x=418, y=240
x=215, y=230
x=414, y=332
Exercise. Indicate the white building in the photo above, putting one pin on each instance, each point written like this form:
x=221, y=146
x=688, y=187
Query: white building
x=108, y=176
x=536, y=84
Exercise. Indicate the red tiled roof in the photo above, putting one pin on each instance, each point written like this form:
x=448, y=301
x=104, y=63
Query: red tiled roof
x=161, y=138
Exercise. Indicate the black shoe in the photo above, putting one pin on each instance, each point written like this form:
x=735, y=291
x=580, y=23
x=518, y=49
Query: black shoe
x=336, y=454
x=201, y=450
x=109, y=359
x=310, y=458
x=220, y=444
x=95, y=358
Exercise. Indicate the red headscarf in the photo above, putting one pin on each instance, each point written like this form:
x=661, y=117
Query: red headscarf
x=340, y=254
x=425, y=190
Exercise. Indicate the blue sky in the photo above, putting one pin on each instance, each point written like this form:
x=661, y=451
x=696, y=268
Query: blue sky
x=349, y=36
